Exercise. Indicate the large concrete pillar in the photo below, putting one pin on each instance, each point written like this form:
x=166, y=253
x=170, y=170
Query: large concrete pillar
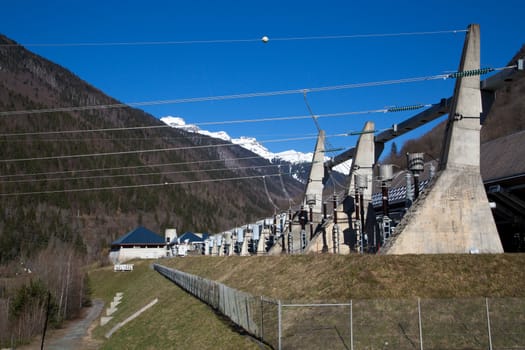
x=453, y=216
x=462, y=140
x=314, y=187
x=362, y=164
x=248, y=235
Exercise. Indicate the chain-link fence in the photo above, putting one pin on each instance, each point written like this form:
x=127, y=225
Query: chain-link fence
x=473, y=323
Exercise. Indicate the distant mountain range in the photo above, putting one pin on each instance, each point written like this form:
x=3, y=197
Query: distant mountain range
x=249, y=143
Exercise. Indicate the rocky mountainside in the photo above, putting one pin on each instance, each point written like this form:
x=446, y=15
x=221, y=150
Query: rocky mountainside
x=91, y=187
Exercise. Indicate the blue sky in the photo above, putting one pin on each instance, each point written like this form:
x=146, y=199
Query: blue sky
x=137, y=73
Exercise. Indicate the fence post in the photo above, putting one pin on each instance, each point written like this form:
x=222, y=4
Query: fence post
x=262, y=317
x=279, y=324
x=420, y=328
x=488, y=323
x=351, y=327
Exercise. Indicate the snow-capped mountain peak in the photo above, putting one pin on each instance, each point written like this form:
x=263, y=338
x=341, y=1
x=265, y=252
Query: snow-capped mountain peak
x=294, y=156
x=249, y=143
x=179, y=123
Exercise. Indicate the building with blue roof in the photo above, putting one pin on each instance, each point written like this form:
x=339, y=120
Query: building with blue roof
x=139, y=243
x=191, y=237
x=188, y=243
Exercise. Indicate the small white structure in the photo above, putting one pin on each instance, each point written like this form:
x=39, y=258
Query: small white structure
x=123, y=267
x=140, y=243
x=188, y=243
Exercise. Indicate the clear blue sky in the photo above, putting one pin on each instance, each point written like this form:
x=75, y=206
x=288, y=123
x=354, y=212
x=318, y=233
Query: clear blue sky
x=161, y=72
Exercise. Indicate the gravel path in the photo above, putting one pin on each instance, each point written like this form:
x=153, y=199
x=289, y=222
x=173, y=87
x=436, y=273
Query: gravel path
x=74, y=335
x=77, y=330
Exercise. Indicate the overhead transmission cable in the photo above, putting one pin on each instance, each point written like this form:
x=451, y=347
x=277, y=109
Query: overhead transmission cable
x=233, y=41
x=290, y=200
x=238, y=121
x=254, y=94
x=384, y=110
x=134, y=186
x=69, y=178
x=123, y=138
x=157, y=165
x=83, y=155
x=268, y=194
x=314, y=117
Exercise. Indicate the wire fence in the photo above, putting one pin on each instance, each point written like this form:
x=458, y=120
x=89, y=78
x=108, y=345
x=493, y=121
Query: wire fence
x=473, y=323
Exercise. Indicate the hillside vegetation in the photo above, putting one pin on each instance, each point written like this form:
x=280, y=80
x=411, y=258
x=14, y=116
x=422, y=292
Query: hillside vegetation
x=179, y=320
x=344, y=277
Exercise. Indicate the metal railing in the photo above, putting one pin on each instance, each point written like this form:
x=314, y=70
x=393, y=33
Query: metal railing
x=470, y=323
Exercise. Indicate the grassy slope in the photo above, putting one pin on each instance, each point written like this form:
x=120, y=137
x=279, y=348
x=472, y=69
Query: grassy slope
x=180, y=321
x=328, y=277
x=177, y=321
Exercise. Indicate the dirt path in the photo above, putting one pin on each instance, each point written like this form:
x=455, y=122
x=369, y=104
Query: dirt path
x=74, y=335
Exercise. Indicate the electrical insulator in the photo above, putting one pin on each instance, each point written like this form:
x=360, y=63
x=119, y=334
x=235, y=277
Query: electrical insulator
x=303, y=239
x=335, y=238
x=469, y=73
x=405, y=108
x=269, y=241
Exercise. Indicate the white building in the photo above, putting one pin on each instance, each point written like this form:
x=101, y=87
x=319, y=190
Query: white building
x=140, y=243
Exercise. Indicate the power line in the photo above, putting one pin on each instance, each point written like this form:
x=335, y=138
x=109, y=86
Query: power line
x=268, y=194
x=290, y=200
x=155, y=150
x=226, y=97
x=127, y=167
x=314, y=117
x=134, y=167
x=160, y=138
x=84, y=155
x=164, y=149
x=383, y=110
x=85, y=130
x=134, y=186
x=255, y=94
x=139, y=174
x=238, y=121
x=313, y=136
x=232, y=41
x=358, y=36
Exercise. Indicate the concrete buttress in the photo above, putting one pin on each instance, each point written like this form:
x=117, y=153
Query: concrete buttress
x=453, y=215
x=314, y=187
x=362, y=165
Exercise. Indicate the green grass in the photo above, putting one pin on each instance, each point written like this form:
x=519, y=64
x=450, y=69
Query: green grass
x=177, y=321
x=395, y=282
x=340, y=278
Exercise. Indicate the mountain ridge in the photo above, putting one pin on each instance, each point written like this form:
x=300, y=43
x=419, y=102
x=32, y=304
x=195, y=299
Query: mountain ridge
x=291, y=156
x=91, y=187
x=250, y=143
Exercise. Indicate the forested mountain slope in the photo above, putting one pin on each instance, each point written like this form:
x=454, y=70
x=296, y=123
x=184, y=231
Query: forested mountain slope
x=58, y=182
